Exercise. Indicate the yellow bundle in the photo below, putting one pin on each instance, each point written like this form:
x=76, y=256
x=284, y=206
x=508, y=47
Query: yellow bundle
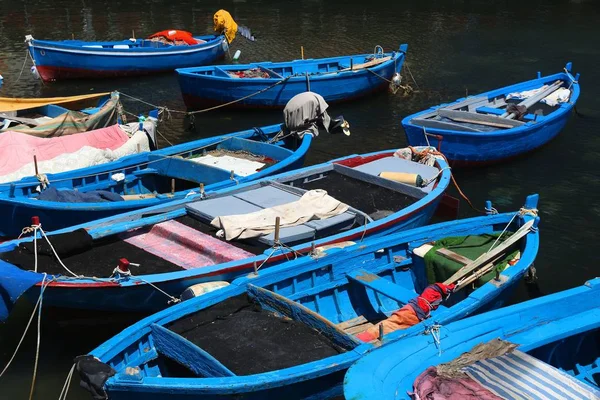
x=225, y=24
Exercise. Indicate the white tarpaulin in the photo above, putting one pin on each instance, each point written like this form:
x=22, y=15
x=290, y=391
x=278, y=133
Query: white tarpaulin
x=314, y=204
x=240, y=166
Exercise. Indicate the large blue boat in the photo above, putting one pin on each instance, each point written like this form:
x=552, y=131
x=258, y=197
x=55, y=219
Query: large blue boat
x=547, y=348
x=273, y=84
x=149, y=178
x=289, y=332
x=70, y=59
x=176, y=245
x=499, y=124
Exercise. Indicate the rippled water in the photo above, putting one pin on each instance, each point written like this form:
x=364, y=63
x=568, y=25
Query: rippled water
x=454, y=48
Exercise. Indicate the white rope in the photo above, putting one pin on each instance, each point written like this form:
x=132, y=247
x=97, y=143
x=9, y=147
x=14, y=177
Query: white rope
x=37, y=304
x=39, y=337
x=437, y=339
x=67, y=384
x=56, y=254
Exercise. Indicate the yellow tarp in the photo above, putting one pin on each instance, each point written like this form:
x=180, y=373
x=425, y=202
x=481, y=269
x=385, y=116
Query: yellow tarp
x=16, y=104
x=225, y=24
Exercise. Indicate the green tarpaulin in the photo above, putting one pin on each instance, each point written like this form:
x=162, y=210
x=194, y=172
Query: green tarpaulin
x=439, y=268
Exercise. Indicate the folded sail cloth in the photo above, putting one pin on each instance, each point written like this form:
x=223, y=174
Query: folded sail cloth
x=61, y=154
x=314, y=204
x=558, y=96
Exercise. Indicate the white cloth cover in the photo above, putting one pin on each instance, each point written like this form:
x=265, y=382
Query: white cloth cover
x=85, y=157
x=558, y=96
x=240, y=166
x=314, y=204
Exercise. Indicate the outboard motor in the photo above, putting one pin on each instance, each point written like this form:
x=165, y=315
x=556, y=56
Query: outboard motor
x=306, y=113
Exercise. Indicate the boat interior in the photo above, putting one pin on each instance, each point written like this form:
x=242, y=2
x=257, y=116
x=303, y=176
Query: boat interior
x=164, y=175
x=189, y=241
x=495, y=110
x=132, y=44
x=292, y=68
x=308, y=312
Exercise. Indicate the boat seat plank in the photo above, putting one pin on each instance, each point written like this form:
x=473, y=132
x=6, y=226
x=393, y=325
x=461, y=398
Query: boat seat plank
x=221, y=73
x=367, y=64
x=396, y=164
x=443, y=125
x=296, y=311
x=352, y=322
x=482, y=119
x=354, y=330
x=494, y=103
x=382, y=285
x=184, y=352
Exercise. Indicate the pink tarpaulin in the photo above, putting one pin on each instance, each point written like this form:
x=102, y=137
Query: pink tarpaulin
x=17, y=149
x=184, y=246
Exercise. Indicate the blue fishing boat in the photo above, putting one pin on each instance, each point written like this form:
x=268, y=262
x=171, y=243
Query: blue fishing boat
x=147, y=179
x=273, y=84
x=500, y=124
x=290, y=332
x=220, y=235
x=547, y=348
x=70, y=59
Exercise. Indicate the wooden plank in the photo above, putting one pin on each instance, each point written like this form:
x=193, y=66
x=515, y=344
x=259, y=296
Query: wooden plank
x=368, y=64
x=444, y=125
x=495, y=103
x=138, y=196
x=467, y=102
x=358, y=328
x=449, y=254
x=534, y=99
x=485, y=258
x=482, y=119
x=381, y=285
x=352, y=322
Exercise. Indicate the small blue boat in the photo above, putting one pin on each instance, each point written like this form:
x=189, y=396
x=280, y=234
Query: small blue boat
x=273, y=84
x=71, y=59
x=547, y=348
x=149, y=178
x=500, y=124
x=289, y=332
x=178, y=244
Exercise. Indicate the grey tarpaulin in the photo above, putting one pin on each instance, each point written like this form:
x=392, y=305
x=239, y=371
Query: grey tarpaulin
x=306, y=113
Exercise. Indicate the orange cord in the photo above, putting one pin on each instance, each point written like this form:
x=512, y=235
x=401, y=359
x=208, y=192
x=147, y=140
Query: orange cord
x=430, y=151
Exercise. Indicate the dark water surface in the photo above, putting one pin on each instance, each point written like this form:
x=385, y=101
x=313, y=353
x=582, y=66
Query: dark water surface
x=454, y=47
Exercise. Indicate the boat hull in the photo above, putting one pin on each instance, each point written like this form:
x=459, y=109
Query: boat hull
x=200, y=91
x=461, y=150
x=58, y=61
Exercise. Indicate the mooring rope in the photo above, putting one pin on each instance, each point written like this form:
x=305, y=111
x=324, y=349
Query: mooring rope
x=168, y=110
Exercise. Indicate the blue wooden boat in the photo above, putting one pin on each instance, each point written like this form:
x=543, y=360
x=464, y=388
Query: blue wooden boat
x=150, y=178
x=179, y=247
x=493, y=126
x=559, y=335
x=289, y=332
x=335, y=78
x=70, y=59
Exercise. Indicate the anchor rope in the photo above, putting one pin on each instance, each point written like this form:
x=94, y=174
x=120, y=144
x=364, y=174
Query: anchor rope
x=67, y=384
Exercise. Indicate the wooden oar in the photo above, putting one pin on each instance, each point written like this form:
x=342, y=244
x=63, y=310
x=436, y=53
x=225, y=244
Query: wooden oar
x=368, y=64
x=485, y=259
